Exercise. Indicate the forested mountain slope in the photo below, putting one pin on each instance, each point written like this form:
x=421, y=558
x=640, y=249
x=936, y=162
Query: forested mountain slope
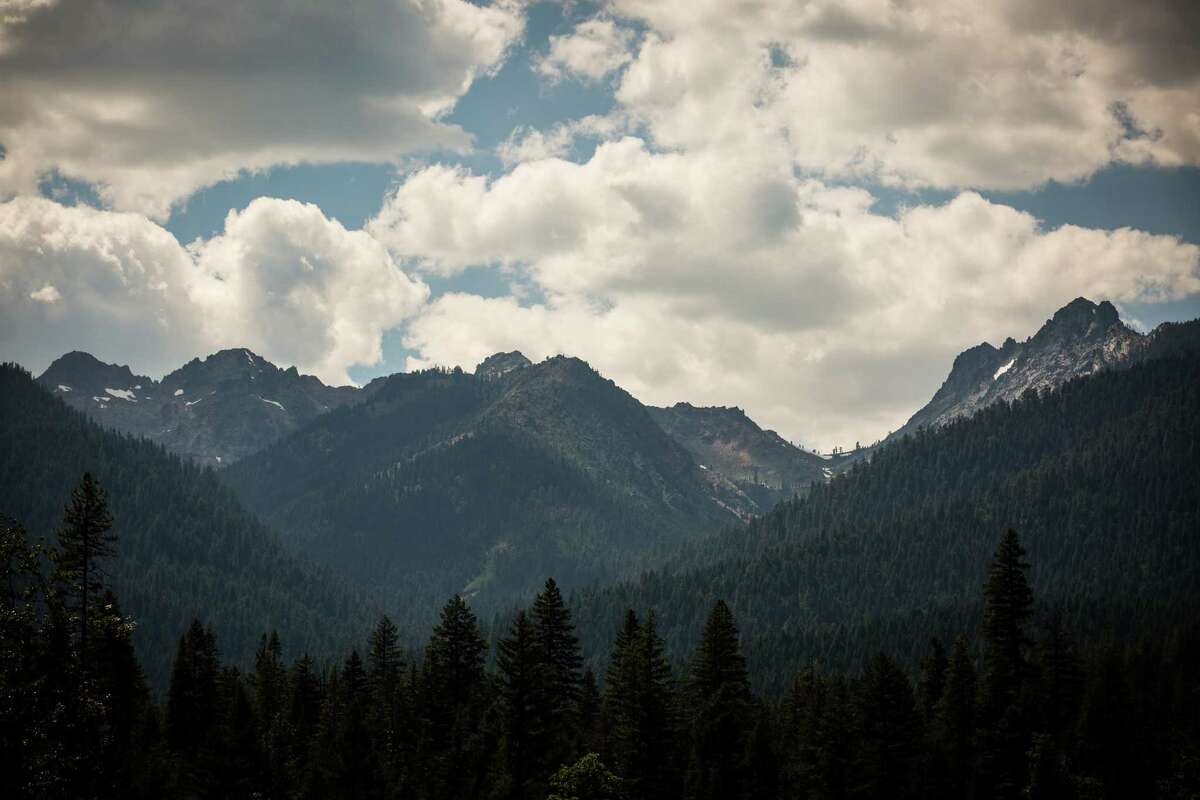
x=187, y=547
x=486, y=484
x=1100, y=477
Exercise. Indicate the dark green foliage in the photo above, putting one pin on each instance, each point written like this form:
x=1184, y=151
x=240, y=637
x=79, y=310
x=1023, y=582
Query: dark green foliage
x=186, y=546
x=73, y=699
x=1007, y=606
x=561, y=664
x=719, y=711
x=522, y=673
x=640, y=711
x=1101, y=477
x=1114, y=721
x=885, y=729
x=586, y=779
x=443, y=482
x=84, y=544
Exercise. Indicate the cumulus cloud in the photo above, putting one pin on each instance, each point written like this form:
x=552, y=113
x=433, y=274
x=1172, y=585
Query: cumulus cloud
x=301, y=289
x=151, y=101
x=691, y=276
x=596, y=48
x=281, y=278
x=957, y=93
x=531, y=144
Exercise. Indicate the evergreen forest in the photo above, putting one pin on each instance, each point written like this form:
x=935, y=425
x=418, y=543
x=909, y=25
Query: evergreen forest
x=1007, y=709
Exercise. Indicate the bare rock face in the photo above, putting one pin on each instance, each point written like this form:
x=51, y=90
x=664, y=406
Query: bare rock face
x=1081, y=338
x=215, y=410
x=728, y=444
x=498, y=365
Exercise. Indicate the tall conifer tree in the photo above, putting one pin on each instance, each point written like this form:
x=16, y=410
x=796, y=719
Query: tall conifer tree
x=719, y=703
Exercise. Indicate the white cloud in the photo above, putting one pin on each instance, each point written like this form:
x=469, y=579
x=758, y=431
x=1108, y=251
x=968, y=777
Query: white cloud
x=281, y=278
x=596, y=48
x=46, y=294
x=153, y=101
x=722, y=278
x=950, y=93
x=301, y=289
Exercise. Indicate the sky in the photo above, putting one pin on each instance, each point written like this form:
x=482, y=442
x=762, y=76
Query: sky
x=805, y=209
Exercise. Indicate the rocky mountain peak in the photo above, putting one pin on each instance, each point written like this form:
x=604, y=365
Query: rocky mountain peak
x=1080, y=338
x=215, y=410
x=1079, y=318
x=499, y=364
x=85, y=375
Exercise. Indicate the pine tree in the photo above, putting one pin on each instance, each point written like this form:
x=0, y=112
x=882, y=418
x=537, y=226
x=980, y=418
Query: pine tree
x=456, y=652
x=885, y=716
x=522, y=671
x=1008, y=604
x=192, y=696
x=269, y=676
x=31, y=757
x=386, y=715
x=621, y=692
x=719, y=697
x=561, y=662
x=591, y=735
x=816, y=761
x=269, y=682
x=956, y=721
x=657, y=773
x=452, y=682
x=121, y=685
x=84, y=541
x=932, y=681
x=931, y=686
x=1059, y=681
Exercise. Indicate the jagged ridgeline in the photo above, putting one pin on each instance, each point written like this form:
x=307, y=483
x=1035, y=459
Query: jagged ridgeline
x=186, y=547
x=1101, y=477
x=443, y=482
x=215, y=410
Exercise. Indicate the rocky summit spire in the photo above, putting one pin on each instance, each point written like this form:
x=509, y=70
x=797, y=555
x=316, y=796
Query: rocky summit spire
x=1080, y=338
x=500, y=364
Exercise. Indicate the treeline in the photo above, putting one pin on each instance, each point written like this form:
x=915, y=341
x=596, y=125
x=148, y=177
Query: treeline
x=1101, y=476
x=1018, y=713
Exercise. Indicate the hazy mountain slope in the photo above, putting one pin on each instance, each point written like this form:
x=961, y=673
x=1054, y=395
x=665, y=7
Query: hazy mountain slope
x=761, y=463
x=215, y=410
x=187, y=547
x=446, y=481
x=1100, y=477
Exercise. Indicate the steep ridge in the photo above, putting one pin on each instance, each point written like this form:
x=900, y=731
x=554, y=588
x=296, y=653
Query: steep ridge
x=1081, y=338
x=186, y=545
x=445, y=482
x=762, y=464
x=215, y=410
x=1101, y=478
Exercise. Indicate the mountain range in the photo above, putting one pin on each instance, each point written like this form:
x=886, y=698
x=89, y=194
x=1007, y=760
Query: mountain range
x=423, y=485
x=1100, y=476
x=215, y=410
